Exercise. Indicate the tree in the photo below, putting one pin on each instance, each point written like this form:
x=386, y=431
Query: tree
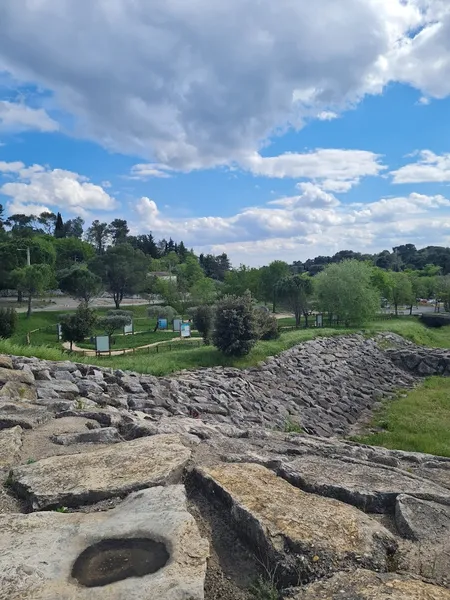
x=190, y=272
x=33, y=280
x=118, y=230
x=48, y=222
x=215, y=267
x=236, y=327
x=400, y=289
x=145, y=243
x=80, y=283
x=345, y=290
x=295, y=292
x=203, y=318
x=8, y=322
x=173, y=294
x=60, y=231
x=267, y=324
x=122, y=269
x=70, y=251
x=204, y=291
x=98, y=235
x=78, y=326
x=21, y=225
x=238, y=281
x=444, y=291
x=2, y=217
x=270, y=276
x=115, y=320
x=74, y=228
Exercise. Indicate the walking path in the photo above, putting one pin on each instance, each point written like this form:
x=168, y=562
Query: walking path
x=75, y=348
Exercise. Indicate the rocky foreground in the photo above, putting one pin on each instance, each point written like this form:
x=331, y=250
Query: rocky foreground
x=125, y=486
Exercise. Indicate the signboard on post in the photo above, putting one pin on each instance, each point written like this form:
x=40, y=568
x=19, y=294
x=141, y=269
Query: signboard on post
x=59, y=331
x=185, y=330
x=102, y=343
x=177, y=324
x=319, y=320
x=128, y=328
x=162, y=323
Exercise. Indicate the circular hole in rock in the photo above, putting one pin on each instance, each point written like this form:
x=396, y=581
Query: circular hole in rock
x=113, y=560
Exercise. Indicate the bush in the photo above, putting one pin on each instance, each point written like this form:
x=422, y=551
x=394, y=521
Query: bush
x=8, y=322
x=203, y=318
x=78, y=326
x=435, y=320
x=162, y=312
x=236, y=329
x=267, y=325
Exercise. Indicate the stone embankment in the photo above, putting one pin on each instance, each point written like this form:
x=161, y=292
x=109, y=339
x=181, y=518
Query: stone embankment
x=113, y=491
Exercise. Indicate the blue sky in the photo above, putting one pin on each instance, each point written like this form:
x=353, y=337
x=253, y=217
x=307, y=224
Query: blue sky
x=267, y=130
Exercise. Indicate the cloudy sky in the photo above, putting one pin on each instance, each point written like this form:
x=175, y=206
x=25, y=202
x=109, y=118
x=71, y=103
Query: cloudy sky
x=264, y=129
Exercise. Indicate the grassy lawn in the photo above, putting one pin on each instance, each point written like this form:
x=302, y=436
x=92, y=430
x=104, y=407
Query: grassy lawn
x=420, y=422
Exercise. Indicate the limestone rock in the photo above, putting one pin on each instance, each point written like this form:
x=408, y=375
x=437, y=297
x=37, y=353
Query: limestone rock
x=62, y=389
x=76, y=479
x=26, y=415
x=371, y=487
x=38, y=552
x=106, y=435
x=421, y=520
x=305, y=535
x=6, y=362
x=16, y=390
x=366, y=585
x=10, y=445
x=9, y=374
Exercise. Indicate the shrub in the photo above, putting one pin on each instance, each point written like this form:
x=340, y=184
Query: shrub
x=78, y=326
x=162, y=312
x=203, y=318
x=267, y=325
x=114, y=320
x=435, y=320
x=236, y=327
x=8, y=322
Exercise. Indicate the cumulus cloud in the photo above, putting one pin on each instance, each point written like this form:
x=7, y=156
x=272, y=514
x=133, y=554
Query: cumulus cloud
x=294, y=228
x=17, y=117
x=429, y=168
x=327, y=115
x=35, y=188
x=150, y=170
x=199, y=84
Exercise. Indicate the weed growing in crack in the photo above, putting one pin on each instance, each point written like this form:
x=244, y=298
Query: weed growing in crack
x=264, y=589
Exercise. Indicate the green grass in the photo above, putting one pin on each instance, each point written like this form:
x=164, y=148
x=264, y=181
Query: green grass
x=419, y=422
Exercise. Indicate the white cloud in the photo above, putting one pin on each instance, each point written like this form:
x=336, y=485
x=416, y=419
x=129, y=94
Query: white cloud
x=327, y=115
x=424, y=101
x=149, y=170
x=312, y=223
x=430, y=168
x=15, y=116
x=199, y=84
x=336, y=170
x=36, y=187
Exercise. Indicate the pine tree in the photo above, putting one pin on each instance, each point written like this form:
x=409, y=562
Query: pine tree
x=60, y=231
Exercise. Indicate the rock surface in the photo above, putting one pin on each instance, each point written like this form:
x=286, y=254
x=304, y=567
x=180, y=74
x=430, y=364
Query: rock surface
x=38, y=551
x=280, y=520
x=421, y=520
x=366, y=585
x=10, y=445
x=77, y=479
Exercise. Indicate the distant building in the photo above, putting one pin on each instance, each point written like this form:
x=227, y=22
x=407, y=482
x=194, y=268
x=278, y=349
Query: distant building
x=165, y=275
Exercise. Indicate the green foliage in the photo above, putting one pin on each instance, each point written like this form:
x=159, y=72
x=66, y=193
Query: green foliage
x=291, y=426
x=270, y=276
x=203, y=318
x=173, y=294
x=62, y=509
x=98, y=235
x=345, y=290
x=240, y=280
x=71, y=252
x=264, y=589
x=162, y=312
x=122, y=269
x=295, y=293
x=267, y=325
x=33, y=280
x=400, y=290
x=204, y=291
x=190, y=272
x=114, y=321
x=80, y=283
x=444, y=291
x=236, y=327
x=8, y=322
x=79, y=325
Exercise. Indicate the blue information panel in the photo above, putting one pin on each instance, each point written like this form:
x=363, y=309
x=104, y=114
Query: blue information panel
x=185, y=330
x=162, y=323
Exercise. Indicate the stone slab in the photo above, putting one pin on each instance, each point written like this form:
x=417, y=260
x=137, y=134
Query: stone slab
x=305, y=535
x=106, y=435
x=16, y=375
x=24, y=414
x=366, y=585
x=10, y=445
x=421, y=520
x=38, y=551
x=6, y=362
x=16, y=390
x=371, y=487
x=77, y=479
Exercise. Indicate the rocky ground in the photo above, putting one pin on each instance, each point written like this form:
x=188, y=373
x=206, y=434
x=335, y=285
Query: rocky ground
x=124, y=486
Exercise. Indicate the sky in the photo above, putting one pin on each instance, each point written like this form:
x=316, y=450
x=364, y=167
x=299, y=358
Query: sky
x=267, y=130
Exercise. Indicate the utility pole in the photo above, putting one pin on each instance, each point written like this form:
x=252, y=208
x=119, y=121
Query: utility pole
x=28, y=255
